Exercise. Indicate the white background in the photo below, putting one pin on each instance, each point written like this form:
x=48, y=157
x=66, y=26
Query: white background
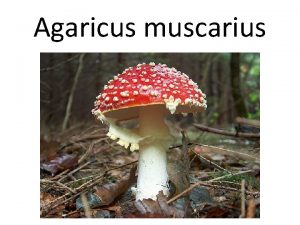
x=19, y=89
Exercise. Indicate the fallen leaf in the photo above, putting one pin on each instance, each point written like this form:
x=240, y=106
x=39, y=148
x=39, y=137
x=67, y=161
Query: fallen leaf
x=116, y=209
x=56, y=212
x=104, y=195
x=178, y=176
x=211, y=210
x=102, y=213
x=216, y=212
x=48, y=148
x=217, y=157
x=199, y=149
x=59, y=163
x=109, y=192
x=45, y=198
x=159, y=207
x=92, y=199
x=148, y=215
x=200, y=195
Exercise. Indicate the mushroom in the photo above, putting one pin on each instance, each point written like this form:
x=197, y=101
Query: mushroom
x=148, y=92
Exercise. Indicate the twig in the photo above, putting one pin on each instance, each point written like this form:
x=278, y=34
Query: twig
x=220, y=150
x=74, y=171
x=95, y=170
x=199, y=183
x=228, y=150
x=84, y=187
x=73, y=145
x=211, y=162
x=59, y=201
x=226, y=188
x=89, y=137
x=87, y=153
x=225, y=132
x=192, y=160
x=74, y=141
x=71, y=213
x=243, y=200
x=180, y=146
x=230, y=175
x=228, y=182
x=185, y=156
x=59, y=184
x=86, y=207
x=71, y=183
x=60, y=175
x=95, y=176
x=119, y=167
x=72, y=177
x=251, y=209
x=92, y=130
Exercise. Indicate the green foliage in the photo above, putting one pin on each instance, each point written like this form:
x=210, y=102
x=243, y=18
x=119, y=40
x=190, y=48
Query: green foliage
x=255, y=71
x=249, y=179
x=254, y=116
x=253, y=97
x=213, y=118
x=250, y=75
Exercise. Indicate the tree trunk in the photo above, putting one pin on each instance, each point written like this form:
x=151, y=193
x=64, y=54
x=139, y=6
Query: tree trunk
x=121, y=61
x=238, y=100
x=50, y=107
x=71, y=96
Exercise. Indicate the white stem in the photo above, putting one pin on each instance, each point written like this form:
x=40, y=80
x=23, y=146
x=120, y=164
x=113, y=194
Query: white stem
x=152, y=170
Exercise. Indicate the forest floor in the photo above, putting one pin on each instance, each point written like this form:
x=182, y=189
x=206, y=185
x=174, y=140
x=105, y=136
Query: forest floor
x=85, y=174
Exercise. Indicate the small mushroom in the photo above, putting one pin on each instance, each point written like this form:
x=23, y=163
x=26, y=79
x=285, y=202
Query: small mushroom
x=153, y=92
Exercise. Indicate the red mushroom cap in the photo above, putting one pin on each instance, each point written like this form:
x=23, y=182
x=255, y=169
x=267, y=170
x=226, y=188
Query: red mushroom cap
x=147, y=84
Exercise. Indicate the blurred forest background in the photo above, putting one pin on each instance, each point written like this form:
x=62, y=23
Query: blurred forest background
x=71, y=81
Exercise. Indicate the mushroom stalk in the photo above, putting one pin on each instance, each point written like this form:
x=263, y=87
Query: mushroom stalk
x=152, y=169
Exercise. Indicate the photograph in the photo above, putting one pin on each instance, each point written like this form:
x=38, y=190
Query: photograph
x=149, y=135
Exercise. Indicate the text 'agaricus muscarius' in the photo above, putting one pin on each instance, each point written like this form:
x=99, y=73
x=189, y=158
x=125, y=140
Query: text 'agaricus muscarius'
x=148, y=92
